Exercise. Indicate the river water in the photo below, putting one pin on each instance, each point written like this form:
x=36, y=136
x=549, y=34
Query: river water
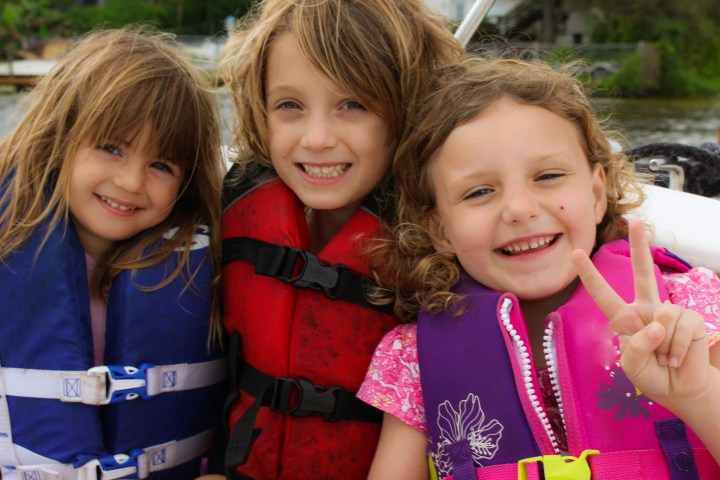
x=688, y=121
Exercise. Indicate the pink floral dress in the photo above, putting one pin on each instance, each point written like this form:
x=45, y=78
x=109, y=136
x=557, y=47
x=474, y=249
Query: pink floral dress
x=392, y=383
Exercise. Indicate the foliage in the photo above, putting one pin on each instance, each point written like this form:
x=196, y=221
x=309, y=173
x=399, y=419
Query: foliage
x=687, y=33
x=116, y=13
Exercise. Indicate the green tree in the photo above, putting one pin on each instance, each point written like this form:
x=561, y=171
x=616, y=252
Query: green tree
x=686, y=32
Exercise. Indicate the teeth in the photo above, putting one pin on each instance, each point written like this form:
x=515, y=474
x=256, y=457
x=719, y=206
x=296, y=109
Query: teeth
x=531, y=245
x=122, y=208
x=326, y=171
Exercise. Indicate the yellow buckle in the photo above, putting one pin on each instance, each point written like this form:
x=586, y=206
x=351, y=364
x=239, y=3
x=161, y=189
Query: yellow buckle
x=560, y=467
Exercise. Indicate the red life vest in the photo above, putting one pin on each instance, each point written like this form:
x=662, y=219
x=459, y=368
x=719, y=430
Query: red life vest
x=319, y=346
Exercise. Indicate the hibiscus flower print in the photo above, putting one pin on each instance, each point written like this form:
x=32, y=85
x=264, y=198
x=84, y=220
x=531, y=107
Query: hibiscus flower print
x=621, y=393
x=467, y=423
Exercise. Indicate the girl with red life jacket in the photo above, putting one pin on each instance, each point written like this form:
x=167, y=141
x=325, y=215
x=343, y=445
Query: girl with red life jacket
x=322, y=91
x=506, y=186
x=110, y=190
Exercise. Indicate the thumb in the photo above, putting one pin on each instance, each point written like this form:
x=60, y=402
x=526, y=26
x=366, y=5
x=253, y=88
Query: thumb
x=641, y=345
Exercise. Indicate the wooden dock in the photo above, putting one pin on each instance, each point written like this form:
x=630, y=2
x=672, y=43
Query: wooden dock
x=24, y=72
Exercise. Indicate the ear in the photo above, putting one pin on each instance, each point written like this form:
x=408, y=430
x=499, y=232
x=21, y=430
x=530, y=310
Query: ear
x=437, y=236
x=599, y=186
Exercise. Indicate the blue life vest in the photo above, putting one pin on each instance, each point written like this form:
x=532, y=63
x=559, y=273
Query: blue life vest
x=149, y=412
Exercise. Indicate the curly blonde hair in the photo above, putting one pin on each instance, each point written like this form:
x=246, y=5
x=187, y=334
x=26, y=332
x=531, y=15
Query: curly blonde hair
x=108, y=86
x=411, y=273
x=382, y=51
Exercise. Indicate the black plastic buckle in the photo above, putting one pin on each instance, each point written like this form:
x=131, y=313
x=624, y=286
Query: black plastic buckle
x=314, y=400
x=314, y=273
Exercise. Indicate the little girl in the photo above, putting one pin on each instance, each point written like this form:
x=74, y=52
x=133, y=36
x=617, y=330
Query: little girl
x=322, y=89
x=505, y=180
x=109, y=232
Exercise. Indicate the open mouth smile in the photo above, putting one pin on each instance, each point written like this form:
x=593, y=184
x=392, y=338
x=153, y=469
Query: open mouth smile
x=118, y=206
x=325, y=171
x=529, y=246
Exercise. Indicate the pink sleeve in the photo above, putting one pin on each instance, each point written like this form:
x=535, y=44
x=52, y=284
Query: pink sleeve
x=698, y=290
x=392, y=383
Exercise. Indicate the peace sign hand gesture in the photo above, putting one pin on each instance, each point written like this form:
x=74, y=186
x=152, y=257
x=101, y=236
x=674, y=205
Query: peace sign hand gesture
x=664, y=347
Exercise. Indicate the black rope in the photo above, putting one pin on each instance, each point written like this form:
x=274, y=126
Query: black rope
x=701, y=165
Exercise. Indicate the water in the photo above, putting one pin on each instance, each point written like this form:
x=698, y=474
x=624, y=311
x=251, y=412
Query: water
x=688, y=121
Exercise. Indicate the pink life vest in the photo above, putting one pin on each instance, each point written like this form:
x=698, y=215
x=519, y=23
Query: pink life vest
x=484, y=410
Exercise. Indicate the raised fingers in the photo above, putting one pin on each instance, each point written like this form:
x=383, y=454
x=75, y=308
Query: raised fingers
x=601, y=292
x=646, y=289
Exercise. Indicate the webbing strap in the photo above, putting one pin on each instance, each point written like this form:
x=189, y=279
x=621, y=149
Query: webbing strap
x=296, y=397
x=302, y=269
x=633, y=464
x=135, y=464
x=462, y=460
x=676, y=447
x=108, y=384
x=646, y=464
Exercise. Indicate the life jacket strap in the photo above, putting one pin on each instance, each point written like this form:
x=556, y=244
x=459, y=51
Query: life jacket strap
x=111, y=383
x=676, y=447
x=139, y=463
x=302, y=269
x=296, y=397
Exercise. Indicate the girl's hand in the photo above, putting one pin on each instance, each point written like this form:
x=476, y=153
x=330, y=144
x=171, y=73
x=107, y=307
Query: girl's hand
x=664, y=347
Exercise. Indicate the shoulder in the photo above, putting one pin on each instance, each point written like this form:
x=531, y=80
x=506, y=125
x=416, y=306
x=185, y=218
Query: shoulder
x=697, y=289
x=392, y=383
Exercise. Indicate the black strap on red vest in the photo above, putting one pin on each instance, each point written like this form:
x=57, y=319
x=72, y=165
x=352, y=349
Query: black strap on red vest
x=302, y=269
x=291, y=396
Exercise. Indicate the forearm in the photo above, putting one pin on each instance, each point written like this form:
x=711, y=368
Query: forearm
x=702, y=415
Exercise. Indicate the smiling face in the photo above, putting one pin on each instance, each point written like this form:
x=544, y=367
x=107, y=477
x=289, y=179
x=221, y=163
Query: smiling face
x=515, y=196
x=119, y=189
x=323, y=142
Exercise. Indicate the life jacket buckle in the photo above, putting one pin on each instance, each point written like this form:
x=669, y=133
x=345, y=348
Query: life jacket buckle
x=315, y=273
x=309, y=399
x=123, y=382
x=112, y=467
x=560, y=467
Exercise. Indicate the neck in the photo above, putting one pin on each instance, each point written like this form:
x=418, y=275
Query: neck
x=325, y=224
x=536, y=311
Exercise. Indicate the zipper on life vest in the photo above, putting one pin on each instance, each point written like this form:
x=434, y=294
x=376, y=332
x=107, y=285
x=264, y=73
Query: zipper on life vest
x=551, y=360
x=529, y=375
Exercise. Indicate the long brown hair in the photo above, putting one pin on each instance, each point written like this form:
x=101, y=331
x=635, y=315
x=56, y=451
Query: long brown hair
x=382, y=51
x=110, y=84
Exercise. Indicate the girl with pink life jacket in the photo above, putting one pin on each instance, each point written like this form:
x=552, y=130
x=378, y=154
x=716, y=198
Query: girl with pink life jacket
x=549, y=339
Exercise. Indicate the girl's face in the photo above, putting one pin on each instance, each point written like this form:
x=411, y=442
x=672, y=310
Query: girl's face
x=120, y=189
x=324, y=144
x=516, y=195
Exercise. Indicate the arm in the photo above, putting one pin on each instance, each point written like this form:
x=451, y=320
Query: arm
x=401, y=452
x=664, y=347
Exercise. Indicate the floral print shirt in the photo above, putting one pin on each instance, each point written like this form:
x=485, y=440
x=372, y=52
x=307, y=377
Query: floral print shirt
x=392, y=383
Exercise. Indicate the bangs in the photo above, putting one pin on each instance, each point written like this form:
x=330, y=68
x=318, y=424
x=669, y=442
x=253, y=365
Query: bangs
x=168, y=104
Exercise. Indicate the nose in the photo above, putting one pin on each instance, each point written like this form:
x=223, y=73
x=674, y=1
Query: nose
x=318, y=133
x=130, y=176
x=520, y=204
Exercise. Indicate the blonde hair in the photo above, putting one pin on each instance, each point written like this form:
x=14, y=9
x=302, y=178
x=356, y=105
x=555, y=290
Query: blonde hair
x=382, y=51
x=108, y=86
x=411, y=272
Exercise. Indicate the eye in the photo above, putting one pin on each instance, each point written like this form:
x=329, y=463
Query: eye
x=111, y=149
x=288, y=105
x=353, y=105
x=479, y=192
x=164, y=166
x=549, y=176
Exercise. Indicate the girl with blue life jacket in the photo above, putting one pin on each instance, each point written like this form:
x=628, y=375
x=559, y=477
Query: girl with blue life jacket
x=110, y=192
x=322, y=89
x=513, y=368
